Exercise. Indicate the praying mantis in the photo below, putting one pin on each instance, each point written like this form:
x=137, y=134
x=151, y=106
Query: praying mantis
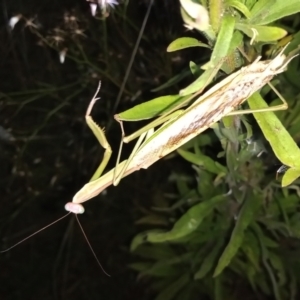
x=178, y=126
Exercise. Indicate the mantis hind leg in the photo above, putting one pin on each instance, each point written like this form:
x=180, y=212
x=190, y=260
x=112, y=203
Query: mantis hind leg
x=282, y=106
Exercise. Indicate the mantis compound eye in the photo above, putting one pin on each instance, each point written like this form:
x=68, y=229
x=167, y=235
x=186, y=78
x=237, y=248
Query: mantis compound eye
x=74, y=208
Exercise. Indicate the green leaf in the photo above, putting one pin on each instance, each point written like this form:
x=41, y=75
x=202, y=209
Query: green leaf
x=188, y=223
x=280, y=270
x=220, y=51
x=251, y=249
x=233, y=60
x=216, y=10
x=262, y=33
x=196, y=71
x=239, y=6
x=260, y=10
x=185, y=42
x=141, y=238
x=210, y=260
x=267, y=11
x=151, y=108
x=245, y=217
x=224, y=39
x=173, y=289
x=283, y=145
x=290, y=176
x=201, y=82
x=202, y=160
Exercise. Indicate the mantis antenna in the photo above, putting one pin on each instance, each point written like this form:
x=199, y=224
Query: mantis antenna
x=71, y=207
x=76, y=209
x=33, y=234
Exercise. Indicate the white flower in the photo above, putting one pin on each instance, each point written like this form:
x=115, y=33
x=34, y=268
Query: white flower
x=13, y=21
x=198, y=15
x=62, y=55
x=93, y=7
x=103, y=4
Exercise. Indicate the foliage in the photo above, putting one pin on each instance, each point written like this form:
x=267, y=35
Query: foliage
x=229, y=234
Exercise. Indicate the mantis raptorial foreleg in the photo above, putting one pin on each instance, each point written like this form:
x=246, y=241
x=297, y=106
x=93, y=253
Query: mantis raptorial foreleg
x=143, y=134
x=100, y=135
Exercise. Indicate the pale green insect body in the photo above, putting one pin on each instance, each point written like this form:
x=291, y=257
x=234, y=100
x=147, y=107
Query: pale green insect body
x=208, y=109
